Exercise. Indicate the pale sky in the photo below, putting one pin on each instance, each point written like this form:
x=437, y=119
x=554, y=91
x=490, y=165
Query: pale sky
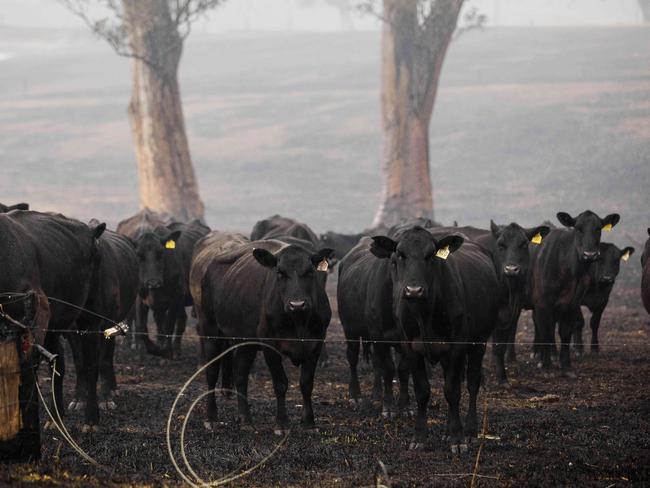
x=282, y=15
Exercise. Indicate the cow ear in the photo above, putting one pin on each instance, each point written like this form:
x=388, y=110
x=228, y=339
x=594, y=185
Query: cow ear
x=494, y=228
x=320, y=259
x=611, y=220
x=382, y=247
x=98, y=230
x=265, y=258
x=449, y=244
x=565, y=219
x=626, y=253
x=169, y=241
x=537, y=233
x=18, y=206
x=649, y=231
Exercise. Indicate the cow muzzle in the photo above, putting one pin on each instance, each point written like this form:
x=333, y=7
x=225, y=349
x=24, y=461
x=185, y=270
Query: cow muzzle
x=297, y=305
x=153, y=284
x=511, y=269
x=590, y=255
x=607, y=280
x=414, y=291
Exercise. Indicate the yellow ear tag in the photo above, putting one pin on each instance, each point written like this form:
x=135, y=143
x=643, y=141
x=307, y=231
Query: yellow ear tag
x=443, y=253
x=626, y=256
x=607, y=227
x=537, y=239
x=323, y=265
x=170, y=244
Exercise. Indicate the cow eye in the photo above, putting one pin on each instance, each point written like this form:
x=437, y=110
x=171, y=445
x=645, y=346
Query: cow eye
x=501, y=245
x=308, y=273
x=400, y=255
x=282, y=274
x=523, y=244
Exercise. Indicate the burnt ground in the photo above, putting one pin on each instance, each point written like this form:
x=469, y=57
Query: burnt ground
x=527, y=122
x=589, y=431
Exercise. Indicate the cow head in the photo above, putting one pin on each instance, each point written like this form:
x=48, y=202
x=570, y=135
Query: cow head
x=587, y=229
x=151, y=249
x=341, y=243
x=295, y=275
x=414, y=259
x=609, y=262
x=512, y=247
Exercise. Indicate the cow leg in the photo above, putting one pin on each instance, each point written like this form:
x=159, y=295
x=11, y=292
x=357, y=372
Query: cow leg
x=403, y=372
x=211, y=349
x=384, y=361
x=107, y=375
x=244, y=358
x=227, y=382
x=91, y=350
x=511, y=353
x=376, y=377
x=142, y=315
x=181, y=323
x=280, y=387
x=52, y=344
x=544, y=334
x=307, y=372
x=452, y=365
x=165, y=322
x=566, y=327
x=595, y=324
x=422, y=396
x=352, y=353
x=499, y=348
x=324, y=357
x=577, y=332
x=74, y=340
x=474, y=376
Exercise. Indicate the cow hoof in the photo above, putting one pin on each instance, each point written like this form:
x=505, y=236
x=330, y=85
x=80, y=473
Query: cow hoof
x=209, y=426
x=355, y=403
x=111, y=405
x=73, y=405
x=505, y=384
x=569, y=374
x=416, y=446
x=89, y=428
x=387, y=413
x=459, y=449
x=81, y=405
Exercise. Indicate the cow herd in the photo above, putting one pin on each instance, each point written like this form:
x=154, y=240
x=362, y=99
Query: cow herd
x=409, y=295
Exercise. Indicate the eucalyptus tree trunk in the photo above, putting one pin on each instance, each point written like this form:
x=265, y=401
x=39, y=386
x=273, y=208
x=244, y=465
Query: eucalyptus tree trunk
x=166, y=176
x=413, y=50
x=645, y=10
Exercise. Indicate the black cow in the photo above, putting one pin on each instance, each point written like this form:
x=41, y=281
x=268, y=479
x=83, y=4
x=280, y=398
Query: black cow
x=135, y=227
x=364, y=306
x=112, y=295
x=508, y=248
x=271, y=291
x=21, y=273
x=68, y=257
x=603, y=277
x=645, y=278
x=17, y=206
x=558, y=279
x=278, y=226
x=164, y=256
x=443, y=302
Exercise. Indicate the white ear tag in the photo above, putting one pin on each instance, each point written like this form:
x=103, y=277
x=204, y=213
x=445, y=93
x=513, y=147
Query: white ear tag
x=443, y=253
x=626, y=256
x=323, y=265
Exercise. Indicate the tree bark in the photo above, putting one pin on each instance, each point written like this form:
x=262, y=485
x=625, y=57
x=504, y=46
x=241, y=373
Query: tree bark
x=413, y=51
x=166, y=176
x=645, y=10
